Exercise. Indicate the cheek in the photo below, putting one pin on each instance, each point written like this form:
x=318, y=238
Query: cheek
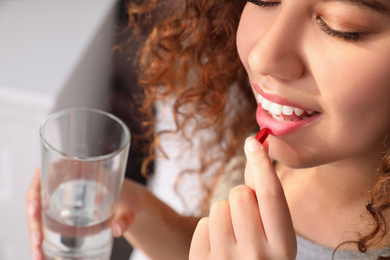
x=362, y=93
x=354, y=84
x=244, y=43
x=354, y=94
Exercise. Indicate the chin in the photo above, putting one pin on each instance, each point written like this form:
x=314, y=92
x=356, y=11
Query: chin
x=293, y=159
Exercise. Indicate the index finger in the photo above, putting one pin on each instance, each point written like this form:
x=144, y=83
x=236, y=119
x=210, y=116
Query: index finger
x=33, y=209
x=272, y=202
x=34, y=190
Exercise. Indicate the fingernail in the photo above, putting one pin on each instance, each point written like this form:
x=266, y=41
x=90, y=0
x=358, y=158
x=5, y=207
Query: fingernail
x=32, y=209
x=116, y=230
x=36, y=239
x=252, y=145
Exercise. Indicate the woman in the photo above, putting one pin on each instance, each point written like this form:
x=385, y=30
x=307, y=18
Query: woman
x=318, y=71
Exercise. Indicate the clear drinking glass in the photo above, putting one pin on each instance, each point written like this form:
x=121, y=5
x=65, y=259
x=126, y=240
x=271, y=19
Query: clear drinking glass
x=84, y=154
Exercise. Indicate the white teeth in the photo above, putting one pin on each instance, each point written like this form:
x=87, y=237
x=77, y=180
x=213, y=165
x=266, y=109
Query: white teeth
x=276, y=109
x=299, y=111
x=277, y=118
x=266, y=105
x=259, y=98
x=287, y=110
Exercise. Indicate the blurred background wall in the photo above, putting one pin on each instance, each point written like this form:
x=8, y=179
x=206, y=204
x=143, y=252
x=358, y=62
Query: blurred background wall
x=54, y=54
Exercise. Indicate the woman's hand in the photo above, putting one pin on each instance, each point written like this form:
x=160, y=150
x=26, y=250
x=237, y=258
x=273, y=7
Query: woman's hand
x=123, y=216
x=33, y=209
x=255, y=223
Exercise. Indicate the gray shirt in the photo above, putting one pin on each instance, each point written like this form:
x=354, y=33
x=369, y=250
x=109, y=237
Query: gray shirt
x=308, y=250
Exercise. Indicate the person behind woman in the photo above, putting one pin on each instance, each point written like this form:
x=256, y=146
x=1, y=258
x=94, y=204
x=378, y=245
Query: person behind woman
x=315, y=72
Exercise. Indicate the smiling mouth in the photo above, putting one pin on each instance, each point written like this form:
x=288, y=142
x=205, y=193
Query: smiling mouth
x=284, y=113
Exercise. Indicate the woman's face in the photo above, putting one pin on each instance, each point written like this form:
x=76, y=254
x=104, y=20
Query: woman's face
x=321, y=70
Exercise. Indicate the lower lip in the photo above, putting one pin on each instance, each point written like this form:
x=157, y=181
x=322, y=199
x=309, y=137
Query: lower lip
x=281, y=128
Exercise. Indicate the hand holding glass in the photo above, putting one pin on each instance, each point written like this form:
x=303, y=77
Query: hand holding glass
x=84, y=154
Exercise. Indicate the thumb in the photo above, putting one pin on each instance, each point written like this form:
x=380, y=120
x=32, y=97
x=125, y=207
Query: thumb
x=252, y=150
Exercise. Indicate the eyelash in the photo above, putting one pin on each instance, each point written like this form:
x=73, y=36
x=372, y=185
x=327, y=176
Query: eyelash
x=263, y=3
x=348, y=36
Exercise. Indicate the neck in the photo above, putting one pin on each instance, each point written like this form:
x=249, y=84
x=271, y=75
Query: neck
x=338, y=183
x=333, y=194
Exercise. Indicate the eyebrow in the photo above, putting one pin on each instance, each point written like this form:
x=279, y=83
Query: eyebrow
x=371, y=4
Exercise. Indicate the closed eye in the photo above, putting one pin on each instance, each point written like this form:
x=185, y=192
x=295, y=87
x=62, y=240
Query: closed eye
x=351, y=36
x=263, y=3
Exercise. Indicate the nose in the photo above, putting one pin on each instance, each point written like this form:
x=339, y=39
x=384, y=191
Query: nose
x=277, y=51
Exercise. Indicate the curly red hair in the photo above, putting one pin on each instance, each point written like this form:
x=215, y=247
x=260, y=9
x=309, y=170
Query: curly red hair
x=191, y=54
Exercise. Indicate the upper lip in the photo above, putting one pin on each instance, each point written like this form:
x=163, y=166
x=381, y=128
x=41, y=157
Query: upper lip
x=276, y=98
